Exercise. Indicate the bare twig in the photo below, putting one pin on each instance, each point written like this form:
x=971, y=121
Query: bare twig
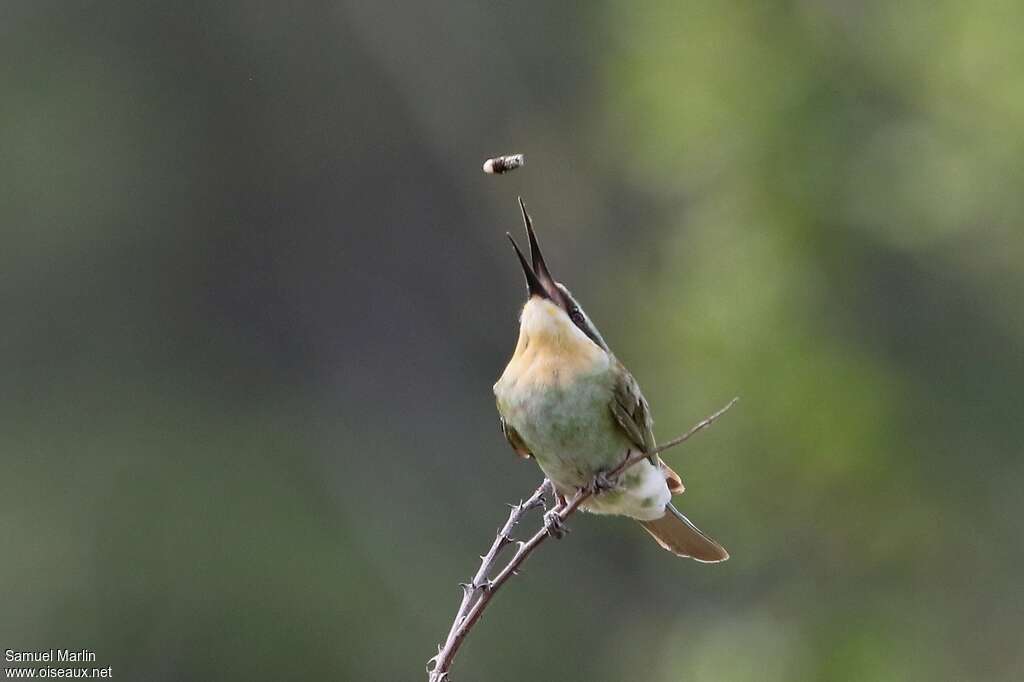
x=472, y=592
x=678, y=440
x=699, y=426
x=478, y=594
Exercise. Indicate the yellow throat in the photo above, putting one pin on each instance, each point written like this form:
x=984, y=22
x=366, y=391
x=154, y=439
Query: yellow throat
x=551, y=350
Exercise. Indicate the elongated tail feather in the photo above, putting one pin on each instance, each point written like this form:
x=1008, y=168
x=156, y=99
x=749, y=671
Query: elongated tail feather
x=674, y=532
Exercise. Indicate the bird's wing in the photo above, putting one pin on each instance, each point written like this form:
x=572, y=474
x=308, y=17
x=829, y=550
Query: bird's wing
x=631, y=410
x=514, y=439
x=633, y=414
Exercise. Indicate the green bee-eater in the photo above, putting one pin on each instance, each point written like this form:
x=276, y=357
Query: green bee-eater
x=566, y=401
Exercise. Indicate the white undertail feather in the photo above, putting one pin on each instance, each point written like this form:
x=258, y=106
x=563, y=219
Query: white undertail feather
x=648, y=495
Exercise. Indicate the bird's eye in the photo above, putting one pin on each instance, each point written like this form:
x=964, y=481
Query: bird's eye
x=576, y=316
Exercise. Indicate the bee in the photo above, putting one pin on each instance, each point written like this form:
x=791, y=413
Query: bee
x=503, y=164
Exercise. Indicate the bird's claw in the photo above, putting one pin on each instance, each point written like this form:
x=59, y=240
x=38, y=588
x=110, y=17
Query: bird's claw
x=554, y=524
x=602, y=482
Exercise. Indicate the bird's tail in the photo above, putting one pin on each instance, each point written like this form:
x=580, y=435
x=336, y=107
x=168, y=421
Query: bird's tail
x=674, y=532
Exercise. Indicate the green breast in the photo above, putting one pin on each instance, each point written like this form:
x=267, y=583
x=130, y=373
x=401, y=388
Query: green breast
x=568, y=427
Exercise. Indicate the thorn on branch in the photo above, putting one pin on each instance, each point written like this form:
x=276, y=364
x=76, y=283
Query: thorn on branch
x=473, y=605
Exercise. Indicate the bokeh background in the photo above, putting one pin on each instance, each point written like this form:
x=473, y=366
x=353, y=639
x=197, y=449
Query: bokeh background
x=255, y=291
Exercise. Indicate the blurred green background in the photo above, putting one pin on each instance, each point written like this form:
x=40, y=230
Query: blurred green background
x=256, y=291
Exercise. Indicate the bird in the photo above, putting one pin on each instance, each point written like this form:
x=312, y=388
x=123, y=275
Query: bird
x=567, y=402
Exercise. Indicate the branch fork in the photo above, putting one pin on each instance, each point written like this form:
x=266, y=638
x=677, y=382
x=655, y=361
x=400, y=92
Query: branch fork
x=477, y=594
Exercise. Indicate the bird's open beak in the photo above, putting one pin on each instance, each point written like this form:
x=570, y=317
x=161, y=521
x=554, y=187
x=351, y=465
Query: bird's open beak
x=538, y=278
x=533, y=284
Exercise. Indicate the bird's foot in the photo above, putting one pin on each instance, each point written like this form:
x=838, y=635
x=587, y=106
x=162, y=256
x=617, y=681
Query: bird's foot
x=601, y=483
x=554, y=524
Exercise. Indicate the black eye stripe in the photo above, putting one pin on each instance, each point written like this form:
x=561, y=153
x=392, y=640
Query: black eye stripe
x=579, y=318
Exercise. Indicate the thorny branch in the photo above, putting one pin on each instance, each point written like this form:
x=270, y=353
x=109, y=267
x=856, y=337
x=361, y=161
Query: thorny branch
x=477, y=594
